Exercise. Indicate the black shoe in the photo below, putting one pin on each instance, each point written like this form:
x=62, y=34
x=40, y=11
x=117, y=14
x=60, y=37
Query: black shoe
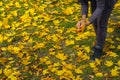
x=97, y=53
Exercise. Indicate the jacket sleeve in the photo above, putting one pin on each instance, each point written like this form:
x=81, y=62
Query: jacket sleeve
x=100, y=7
x=84, y=6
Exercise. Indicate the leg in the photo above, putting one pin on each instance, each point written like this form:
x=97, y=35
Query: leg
x=102, y=23
x=93, y=7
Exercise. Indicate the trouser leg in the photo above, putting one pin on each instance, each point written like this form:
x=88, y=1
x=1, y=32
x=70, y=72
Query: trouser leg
x=93, y=7
x=102, y=24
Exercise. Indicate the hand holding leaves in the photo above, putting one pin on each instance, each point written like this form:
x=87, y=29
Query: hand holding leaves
x=81, y=25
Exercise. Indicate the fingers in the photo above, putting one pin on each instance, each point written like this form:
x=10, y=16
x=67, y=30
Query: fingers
x=79, y=24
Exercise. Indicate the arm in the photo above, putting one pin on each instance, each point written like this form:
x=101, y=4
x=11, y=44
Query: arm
x=84, y=7
x=98, y=11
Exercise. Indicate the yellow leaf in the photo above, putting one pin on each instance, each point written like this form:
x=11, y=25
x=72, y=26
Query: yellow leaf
x=112, y=46
x=12, y=77
x=57, y=46
x=52, y=53
x=56, y=64
x=9, y=40
x=69, y=42
x=51, y=49
x=109, y=63
x=54, y=69
x=56, y=22
x=81, y=29
x=7, y=26
x=30, y=40
x=77, y=38
x=85, y=57
x=95, y=69
x=69, y=66
x=16, y=49
x=5, y=37
x=32, y=11
x=48, y=62
x=2, y=60
x=110, y=30
x=79, y=53
x=3, y=14
x=98, y=62
x=43, y=60
x=7, y=72
x=20, y=55
x=1, y=38
x=0, y=71
x=99, y=74
x=118, y=63
x=45, y=72
x=78, y=71
x=8, y=66
x=11, y=62
x=59, y=72
x=118, y=39
x=83, y=66
x=63, y=77
x=26, y=5
x=16, y=73
x=48, y=78
x=113, y=54
x=55, y=37
x=115, y=72
x=3, y=49
x=78, y=78
x=39, y=45
x=87, y=49
x=17, y=4
x=92, y=65
x=2, y=9
x=26, y=38
x=55, y=12
x=61, y=56
x=1, y=24
x=68, y=11
x=51, y=6
x=71, y=36
x=26, y=62
x=11, y=3
x=24, y=17
x=1, y=4
x=118, y=47
x=14, y=13
x=11, y=58
x=48, y=37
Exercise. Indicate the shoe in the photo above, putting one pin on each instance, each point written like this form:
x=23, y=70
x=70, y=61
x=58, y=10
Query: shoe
x=97, y=53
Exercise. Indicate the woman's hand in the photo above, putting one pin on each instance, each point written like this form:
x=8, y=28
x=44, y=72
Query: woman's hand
x=81, y=25
x=87, y=23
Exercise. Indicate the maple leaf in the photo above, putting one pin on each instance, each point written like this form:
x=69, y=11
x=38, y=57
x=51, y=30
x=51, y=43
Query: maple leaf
x=108, y=63
x=69, y=42
x=68, y=10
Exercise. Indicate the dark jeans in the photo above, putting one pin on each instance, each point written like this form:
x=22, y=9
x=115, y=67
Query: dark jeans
x=100, y=24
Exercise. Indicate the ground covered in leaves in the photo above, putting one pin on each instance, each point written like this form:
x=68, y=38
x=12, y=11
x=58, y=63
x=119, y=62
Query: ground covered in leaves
x=38, y=41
